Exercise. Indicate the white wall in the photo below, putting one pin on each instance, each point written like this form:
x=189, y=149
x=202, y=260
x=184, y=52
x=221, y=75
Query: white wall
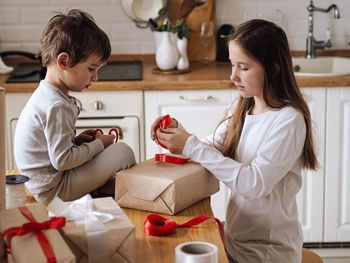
x=22, y=21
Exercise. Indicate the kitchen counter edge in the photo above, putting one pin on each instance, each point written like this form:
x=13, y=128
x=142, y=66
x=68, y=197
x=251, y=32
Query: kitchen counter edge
x=200, y=77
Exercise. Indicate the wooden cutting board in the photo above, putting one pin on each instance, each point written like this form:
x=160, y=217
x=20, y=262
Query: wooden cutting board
x=204, y=12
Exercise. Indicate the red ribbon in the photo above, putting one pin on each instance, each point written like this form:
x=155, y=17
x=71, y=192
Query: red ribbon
x=156, y=225
x=160, y=157
x=36, y=227
x=109, y=133
x=166, y=120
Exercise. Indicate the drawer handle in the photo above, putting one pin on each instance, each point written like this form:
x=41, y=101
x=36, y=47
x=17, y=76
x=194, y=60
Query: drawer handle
x=98, y=105
x=196, y=98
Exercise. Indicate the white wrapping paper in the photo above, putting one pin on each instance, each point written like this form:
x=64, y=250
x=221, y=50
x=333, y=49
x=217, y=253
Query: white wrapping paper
x=82, y=212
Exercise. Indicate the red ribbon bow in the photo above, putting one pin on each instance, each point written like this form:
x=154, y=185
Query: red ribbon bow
x=166, y=120
x=36, y=227
x=156, y=225
x=109, y=133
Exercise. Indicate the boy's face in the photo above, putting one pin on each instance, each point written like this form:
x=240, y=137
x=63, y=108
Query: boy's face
x=81, y=75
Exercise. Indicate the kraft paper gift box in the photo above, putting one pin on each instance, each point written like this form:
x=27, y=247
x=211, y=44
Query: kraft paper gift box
x=163, y=187
x=115, y=243
x=26, y=248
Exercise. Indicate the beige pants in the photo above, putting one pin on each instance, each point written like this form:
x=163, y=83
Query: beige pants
x=86, y=178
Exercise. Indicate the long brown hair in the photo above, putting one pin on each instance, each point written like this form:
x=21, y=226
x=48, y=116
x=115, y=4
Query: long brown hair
x=268, y=44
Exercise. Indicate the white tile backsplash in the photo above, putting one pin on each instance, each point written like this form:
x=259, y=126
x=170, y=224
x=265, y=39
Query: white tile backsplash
x=22, y=21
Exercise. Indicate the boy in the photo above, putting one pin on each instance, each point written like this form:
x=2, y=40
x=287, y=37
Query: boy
x=73, y=48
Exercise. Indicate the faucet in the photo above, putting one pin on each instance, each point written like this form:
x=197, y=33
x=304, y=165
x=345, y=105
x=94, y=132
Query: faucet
x=311, y=43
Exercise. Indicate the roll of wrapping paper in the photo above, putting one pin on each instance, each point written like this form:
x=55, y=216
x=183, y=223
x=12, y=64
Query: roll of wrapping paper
x=2, y=148
x=15, y=190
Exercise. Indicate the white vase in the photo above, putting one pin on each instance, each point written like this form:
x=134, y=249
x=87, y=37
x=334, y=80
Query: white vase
x=182, y=49
x=166, y=53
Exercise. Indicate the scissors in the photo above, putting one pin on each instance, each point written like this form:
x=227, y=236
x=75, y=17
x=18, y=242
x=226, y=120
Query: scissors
x=110, y=132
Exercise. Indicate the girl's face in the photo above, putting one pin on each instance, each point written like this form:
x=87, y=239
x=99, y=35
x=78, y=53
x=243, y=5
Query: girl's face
x=81, y=75
x=247, y=73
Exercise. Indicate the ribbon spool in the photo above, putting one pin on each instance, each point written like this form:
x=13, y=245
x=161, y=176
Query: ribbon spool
x=165, y=158
x=15, y=190
x=166, y=120
x=111, y=131
x=156, y=225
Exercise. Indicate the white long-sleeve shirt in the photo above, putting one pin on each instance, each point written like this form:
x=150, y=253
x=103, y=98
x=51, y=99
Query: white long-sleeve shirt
x=44, y=140
x=262, y=218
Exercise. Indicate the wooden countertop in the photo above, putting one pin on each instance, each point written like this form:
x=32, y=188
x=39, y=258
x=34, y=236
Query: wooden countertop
x=201, y=76
x=151, y=249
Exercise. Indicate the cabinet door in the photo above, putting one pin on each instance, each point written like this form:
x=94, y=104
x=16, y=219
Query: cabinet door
x=15, y=102
x=311, y=195
x=199, y=112
x=337, y=179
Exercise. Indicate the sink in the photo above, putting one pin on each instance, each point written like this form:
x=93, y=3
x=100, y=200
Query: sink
x=321, y=66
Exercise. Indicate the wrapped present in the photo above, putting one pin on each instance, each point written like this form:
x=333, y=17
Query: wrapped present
x=97, y=230
x=30, y=236
x=164, y=187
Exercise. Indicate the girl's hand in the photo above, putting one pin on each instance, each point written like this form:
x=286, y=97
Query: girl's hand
x=85, y=136
x=173, y=138
x=106, y=139
x=156, y=126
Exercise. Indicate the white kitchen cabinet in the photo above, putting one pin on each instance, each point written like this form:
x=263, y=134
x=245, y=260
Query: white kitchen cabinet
x=15, y=102
x=121, y=109
x=310, y=198
x=337, y=180
x=199, y=111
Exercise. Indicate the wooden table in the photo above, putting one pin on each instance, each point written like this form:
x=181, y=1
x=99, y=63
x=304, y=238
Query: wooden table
x=162, y=249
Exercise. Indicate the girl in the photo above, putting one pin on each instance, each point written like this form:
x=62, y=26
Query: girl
x=259, y=150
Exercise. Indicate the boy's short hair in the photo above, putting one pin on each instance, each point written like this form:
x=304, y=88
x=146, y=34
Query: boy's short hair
x=75, y=33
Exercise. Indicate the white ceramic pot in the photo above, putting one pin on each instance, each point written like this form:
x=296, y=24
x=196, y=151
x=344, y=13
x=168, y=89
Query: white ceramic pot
x=166, y=54
x=182, y=49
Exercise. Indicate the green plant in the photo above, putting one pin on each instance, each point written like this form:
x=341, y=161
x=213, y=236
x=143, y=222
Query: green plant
x=180, y=28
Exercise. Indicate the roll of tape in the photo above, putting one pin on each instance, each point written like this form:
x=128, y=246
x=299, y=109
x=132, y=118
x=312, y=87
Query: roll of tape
x=196, y=252
x=15, y=190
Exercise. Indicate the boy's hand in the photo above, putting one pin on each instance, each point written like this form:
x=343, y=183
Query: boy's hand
x=85, y=136
x=106, y=139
